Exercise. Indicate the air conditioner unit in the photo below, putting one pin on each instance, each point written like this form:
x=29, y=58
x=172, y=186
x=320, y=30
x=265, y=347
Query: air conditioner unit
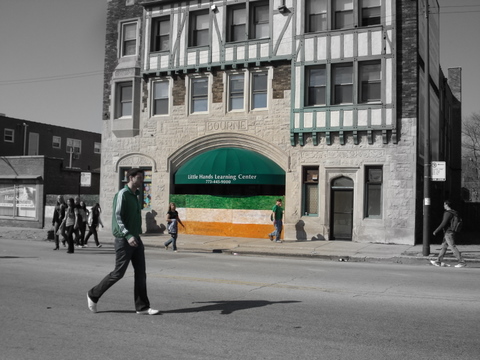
x=76, y=156
x=76, y=150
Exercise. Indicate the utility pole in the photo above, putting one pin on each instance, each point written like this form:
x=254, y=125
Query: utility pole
x=426, y=152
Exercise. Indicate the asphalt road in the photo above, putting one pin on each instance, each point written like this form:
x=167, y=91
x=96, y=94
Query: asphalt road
x=217, y=306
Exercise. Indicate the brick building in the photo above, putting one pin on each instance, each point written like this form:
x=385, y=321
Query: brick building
x=40, y=161
x=229, y=105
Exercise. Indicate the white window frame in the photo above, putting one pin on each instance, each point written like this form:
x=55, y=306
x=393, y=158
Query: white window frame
x=253, y=73
x=338, y=8
x=123, y=39
x=309, y=15
x=193, y=30
x=97, y=148
x=118, y=101
x=370, y=5
x=254, y=6
x=229, y=77
x=74, y=145
x=56, y=142
x=9, y=135
x=361, y=67
x=190, y=80
x=153, y=96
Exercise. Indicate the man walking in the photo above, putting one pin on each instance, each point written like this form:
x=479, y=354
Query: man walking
x=449, y=237
x=277, y=217
x=127, y=227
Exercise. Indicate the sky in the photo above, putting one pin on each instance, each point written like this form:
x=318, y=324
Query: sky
x=52, y=52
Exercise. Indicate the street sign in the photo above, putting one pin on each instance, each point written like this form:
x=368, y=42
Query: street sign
x=85, y=179
x=439, y=171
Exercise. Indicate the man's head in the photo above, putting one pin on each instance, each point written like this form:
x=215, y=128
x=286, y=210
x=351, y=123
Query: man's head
x=279, y=202
x=135, y=178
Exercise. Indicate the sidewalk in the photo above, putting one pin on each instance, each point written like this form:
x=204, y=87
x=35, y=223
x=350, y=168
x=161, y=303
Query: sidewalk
x=326, y=250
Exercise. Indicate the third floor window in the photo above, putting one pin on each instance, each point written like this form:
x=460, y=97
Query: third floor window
x=160, y=34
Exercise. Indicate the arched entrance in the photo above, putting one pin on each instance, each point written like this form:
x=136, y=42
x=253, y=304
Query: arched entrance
x=341, y=219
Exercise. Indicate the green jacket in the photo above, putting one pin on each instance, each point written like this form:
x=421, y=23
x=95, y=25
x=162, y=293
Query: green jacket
x=126, y=215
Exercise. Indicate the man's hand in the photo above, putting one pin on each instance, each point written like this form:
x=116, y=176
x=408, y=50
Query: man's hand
x=133, y=242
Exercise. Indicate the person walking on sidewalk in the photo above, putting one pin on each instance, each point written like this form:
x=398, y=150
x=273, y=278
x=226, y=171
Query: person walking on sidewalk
x=277, y=217
x=58, y=216
x=172, y=220
x=448, y=237
x=93, y=221
x=126, y=228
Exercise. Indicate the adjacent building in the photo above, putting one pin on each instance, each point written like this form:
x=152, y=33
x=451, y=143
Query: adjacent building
x=229, y=105
x=40, y=161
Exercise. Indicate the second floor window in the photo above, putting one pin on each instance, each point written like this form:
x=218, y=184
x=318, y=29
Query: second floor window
x=74, y=146
x=124, y=99
x=160, y=98
x=199, y=26
x=259, y=90
x=316, y=12
x=97, y=148
x=160, y=34
x=56, y=142
x=129, y=39
x=236, y=86
x=199, y=95
x=8, y=135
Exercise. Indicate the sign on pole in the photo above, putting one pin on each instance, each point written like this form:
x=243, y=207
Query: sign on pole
x=439, y=171
x=85, y=179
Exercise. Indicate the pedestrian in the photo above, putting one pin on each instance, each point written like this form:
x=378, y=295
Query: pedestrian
x=58, y=216
x=448, y=237
x=82, y=223
x=70, y=223
x=173, y=220
x=126, y=228
x=93, y=221
x=76, y=231
x=277, y=218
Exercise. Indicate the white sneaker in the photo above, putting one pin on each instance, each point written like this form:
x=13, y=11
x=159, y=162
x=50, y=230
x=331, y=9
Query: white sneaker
x=460, y=265
x=435, y=263
x=91, y=305
x=148, y=312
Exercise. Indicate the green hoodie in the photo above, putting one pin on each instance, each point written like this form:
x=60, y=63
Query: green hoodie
x=126, y=215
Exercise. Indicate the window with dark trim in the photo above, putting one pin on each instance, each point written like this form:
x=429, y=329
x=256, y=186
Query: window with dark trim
x=373, y=191
x=199, y=28
x=260, y=27
x=160, y=34
x=343, y=14
x=129, y=39
x=124, y=99
x=310, y=190
x=259, y=90
x=317, y=85
x=199, y=94
x=237, y=23
x=370, y=12
x=316, y=15
x=9, y=135
x=370, y=80
x=342, y=80
x=56, y=142
x=236, y=92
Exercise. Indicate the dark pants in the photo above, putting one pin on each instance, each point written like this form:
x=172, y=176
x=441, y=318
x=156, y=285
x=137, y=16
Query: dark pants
x=92, y=231
x=124, y=253
x=70, y=232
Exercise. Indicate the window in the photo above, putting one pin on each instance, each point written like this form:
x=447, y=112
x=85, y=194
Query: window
x=236, y=92
x=199, y=27
x=370, y=75
x=199, y=95
x=18, y=200
x=310, y=191
x=9, y=135
x=97, y=148
x=129, y=39
x=370, y=12
x=259, y=90
x=343, y=14
x=260, y=16
x=74, y=146
x=342, y=78
x=160, y=34
x=317, y=84
x=316, y=12
x=373, y=191
x=56, y=142
x=237, y=23
x=124, y=99
x=160, y=98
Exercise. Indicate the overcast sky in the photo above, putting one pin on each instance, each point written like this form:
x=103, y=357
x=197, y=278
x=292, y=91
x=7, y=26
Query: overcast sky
x=52, y=51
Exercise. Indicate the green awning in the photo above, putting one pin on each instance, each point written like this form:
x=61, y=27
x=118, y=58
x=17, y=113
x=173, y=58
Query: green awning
x=230, y=166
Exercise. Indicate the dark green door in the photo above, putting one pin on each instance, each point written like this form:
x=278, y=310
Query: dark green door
x=341, y=223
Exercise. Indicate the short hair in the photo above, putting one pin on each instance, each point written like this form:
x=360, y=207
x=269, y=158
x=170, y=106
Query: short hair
x=134, y=172
x=279, y=200
x=448, y=202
